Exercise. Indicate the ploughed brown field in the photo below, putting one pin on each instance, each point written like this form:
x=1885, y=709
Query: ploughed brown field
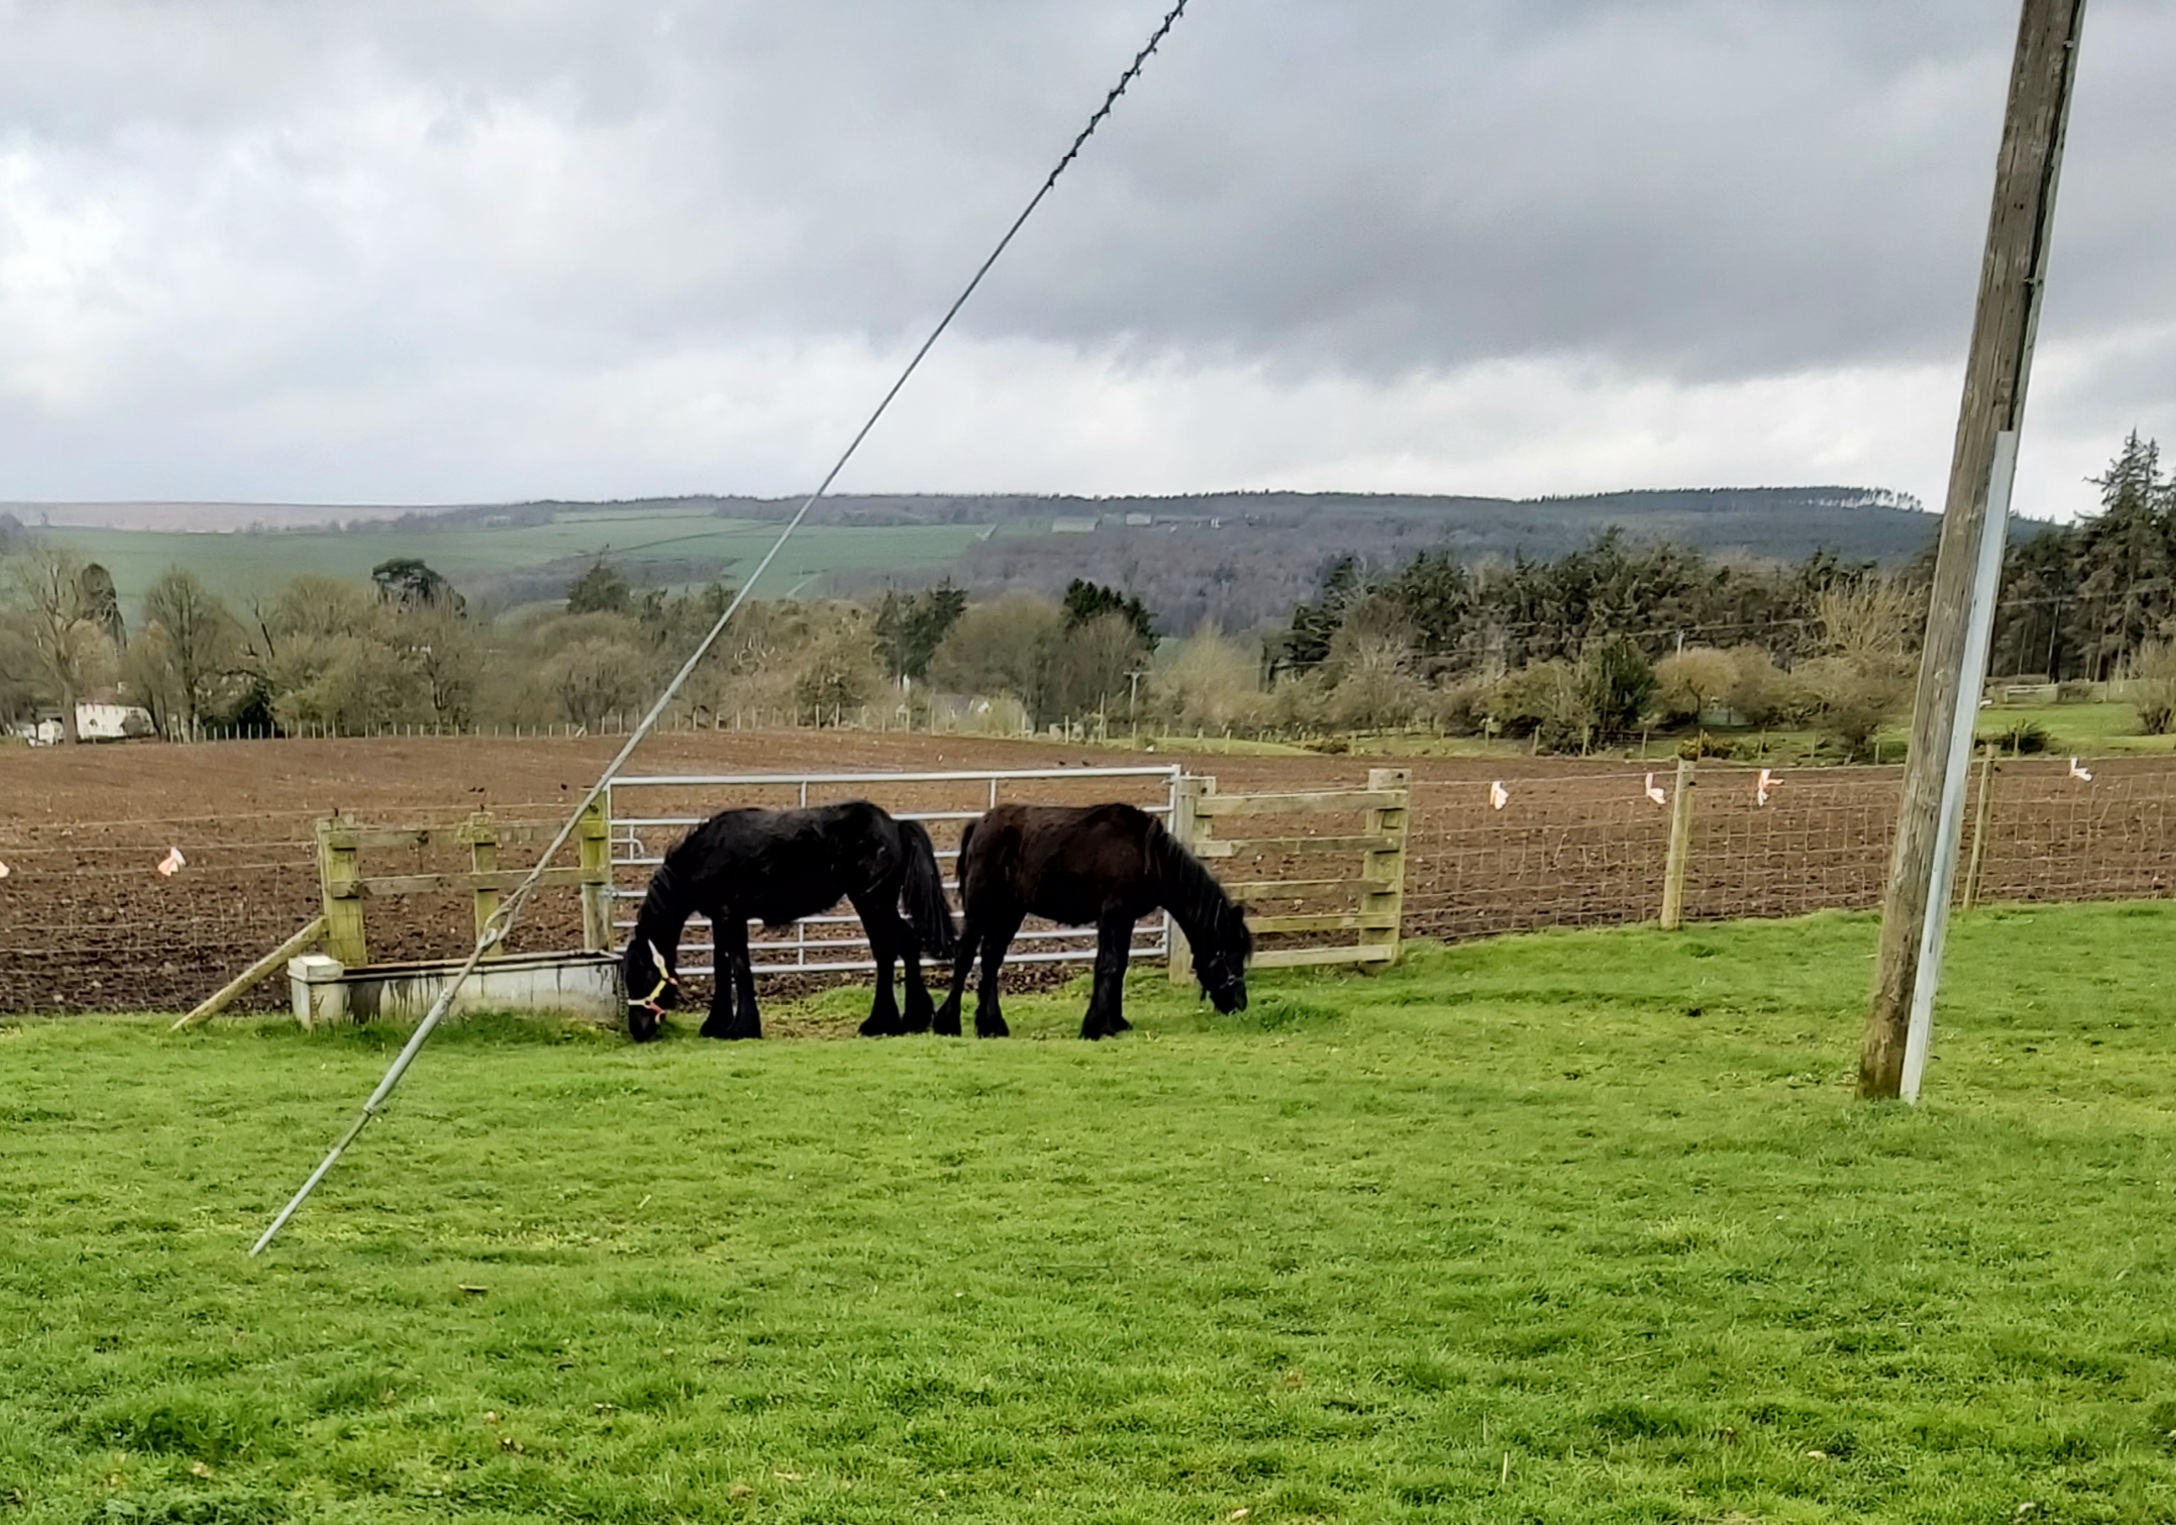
x=86, y=923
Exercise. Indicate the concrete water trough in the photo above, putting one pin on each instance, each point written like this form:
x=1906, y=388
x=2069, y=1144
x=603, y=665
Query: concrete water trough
x=569, y=984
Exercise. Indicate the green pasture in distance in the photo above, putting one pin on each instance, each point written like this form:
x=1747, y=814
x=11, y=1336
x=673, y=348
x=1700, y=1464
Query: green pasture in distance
x=2084, y=728
x=243, y=564
x=1578, y=1227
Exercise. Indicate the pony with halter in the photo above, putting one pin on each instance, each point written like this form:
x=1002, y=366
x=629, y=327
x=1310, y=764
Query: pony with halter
x=1104, y=866
x=777, y=866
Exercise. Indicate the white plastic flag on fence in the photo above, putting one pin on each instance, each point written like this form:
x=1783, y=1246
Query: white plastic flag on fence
x=1498, y=796
x=1656, y=792
x=173, y=863
x=2080, y=773
x=1762, y=785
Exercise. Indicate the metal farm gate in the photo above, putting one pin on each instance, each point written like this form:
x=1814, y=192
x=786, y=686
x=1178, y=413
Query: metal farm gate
x=649, y=814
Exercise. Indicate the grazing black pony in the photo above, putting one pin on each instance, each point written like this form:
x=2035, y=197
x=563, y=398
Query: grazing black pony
x=777, y=866
x=1101, y=865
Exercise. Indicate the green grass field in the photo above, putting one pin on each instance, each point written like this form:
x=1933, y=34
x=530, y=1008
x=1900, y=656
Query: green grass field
x=2094, y=729
x=1565, y=1228
x=248, y=563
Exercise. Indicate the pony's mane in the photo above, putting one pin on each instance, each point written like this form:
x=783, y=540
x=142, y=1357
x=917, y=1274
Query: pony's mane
x=1192, y=893
x=662, y=900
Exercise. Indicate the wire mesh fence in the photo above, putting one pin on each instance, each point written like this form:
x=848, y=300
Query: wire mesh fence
x=87, y=922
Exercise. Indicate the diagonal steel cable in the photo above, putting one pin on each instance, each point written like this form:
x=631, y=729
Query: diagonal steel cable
x=501, y=922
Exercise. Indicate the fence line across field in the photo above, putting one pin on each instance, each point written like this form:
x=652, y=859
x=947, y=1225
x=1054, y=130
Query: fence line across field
x=840, y=946
x=86, y=923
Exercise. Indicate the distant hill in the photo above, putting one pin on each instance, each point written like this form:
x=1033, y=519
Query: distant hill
x=1247, y=556
x=1241, y=556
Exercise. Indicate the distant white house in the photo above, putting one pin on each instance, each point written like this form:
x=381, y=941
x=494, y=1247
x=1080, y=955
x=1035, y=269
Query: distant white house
x=1074, y=526
x=1139, y=521
x=95, y=722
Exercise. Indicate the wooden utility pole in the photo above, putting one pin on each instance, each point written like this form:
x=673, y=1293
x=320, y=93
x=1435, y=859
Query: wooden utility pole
x=1968, y=565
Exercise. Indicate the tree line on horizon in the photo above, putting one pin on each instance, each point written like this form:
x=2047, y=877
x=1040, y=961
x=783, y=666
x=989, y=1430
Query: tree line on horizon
x=1575, y=652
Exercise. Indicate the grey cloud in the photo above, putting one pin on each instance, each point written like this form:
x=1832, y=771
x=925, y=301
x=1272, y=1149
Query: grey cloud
x=316, y=201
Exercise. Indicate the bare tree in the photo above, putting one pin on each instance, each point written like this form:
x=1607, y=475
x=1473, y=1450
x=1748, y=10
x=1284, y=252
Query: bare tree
x=1689, y=681
x=194, y=645
x=48, y=605
x=591, y=678
x=1863, y=678
x=2153, y=687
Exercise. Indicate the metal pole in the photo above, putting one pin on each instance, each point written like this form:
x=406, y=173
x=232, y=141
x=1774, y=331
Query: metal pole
x=1953, y=660
x=1949, y=827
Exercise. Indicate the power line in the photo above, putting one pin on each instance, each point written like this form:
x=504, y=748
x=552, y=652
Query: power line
x=502, y=920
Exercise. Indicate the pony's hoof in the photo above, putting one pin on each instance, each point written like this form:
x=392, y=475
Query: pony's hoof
x=946, y=1022
x=991, y=1027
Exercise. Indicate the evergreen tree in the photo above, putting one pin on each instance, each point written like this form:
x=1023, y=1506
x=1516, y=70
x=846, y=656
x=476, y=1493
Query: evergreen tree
x=1085, y=601
x=600, y=590
x=910, y=627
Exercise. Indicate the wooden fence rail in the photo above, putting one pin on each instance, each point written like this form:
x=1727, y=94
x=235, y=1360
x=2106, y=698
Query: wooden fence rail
x=1375, y=893
x=344, y=888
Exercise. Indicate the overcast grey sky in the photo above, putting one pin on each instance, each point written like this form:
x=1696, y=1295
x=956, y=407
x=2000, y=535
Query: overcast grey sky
x=460, y=250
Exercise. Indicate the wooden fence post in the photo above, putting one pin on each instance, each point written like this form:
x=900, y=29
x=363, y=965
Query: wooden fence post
x=1979, y=826
x=234, y=989
x=1384, y=868
x=483, y=858
x=596, y=860
x=1191, y=830
x=1673, y=873
x=340, y=890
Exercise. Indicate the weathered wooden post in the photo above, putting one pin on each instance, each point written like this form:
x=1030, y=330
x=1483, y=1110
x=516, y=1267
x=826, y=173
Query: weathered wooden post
x=1673, y=871
x=595, y=843
x=340, y=890
x=1968, y=557
x=483, y=861
x=1190, y=829
x=1382, y=896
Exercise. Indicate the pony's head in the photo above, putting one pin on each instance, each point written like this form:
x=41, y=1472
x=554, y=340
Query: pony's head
x=652, y=988
x=1220, y=959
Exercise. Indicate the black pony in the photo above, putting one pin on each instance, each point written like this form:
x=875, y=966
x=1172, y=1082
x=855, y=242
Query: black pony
x=1101, y=865
x=777, y=866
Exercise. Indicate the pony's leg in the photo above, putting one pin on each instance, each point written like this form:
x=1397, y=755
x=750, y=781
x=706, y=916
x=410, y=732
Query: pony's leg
x=920, y=1012
x=720, y=1022
x=947, y=1021
x=989, y=1017
x=731, y=937
x=882, y=927
x=1106, y=1005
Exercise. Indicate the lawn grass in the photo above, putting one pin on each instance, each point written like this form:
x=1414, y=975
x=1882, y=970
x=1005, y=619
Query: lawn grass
x=1578, y=1227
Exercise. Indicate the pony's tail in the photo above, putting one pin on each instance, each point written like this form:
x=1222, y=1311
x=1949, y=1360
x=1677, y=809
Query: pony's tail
x=923, y=892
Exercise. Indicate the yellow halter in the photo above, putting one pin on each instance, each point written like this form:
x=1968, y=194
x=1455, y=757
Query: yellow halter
x=665, y=981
